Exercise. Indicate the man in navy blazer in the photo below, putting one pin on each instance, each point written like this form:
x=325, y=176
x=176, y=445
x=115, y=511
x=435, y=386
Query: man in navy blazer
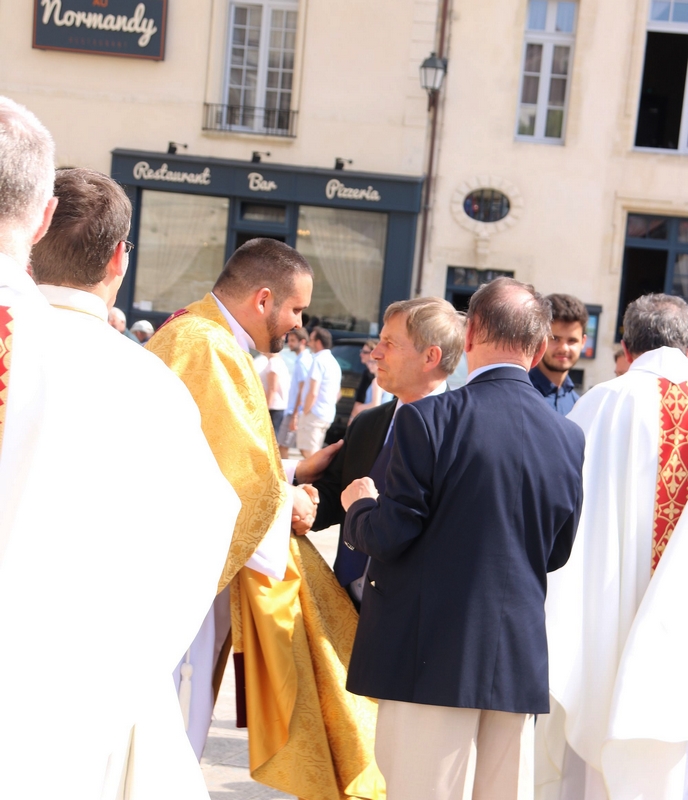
x=482, y=499
x=421, y=343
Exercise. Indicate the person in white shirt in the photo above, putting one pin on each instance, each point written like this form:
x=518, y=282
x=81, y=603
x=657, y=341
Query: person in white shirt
x=276, y=381
x=297, y=342
x=324, y=385
x=100, y=592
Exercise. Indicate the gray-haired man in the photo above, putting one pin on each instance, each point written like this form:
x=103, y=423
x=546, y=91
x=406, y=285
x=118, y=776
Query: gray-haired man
x=90, y=629
x=616, y=614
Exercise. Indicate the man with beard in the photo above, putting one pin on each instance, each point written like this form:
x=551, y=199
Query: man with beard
x=307, y=738
x=551, y=376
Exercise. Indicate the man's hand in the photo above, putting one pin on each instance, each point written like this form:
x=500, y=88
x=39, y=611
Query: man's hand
x=358, y=489
x=305, y=505
x=311, y=469
x=294, y=422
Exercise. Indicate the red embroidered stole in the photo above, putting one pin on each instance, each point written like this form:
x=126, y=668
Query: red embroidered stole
x=6, y=327
x=672, y=476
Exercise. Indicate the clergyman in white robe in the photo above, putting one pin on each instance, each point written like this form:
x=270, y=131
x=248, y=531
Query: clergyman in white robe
x=104, y=577
x=617, y=630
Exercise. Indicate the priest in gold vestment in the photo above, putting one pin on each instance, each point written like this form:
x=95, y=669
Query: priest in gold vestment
x=292, y=624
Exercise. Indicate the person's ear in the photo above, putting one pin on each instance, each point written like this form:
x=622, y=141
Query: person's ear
x=630, y=358
x=539, y=353
x=433, y=357
x=46, y=220
x=470, y=335
x=263, y=301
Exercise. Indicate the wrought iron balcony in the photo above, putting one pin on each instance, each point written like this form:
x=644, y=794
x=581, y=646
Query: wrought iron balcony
x=249, y=119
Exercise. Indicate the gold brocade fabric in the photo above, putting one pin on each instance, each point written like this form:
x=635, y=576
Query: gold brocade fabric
x=298, y=635
x=308, y=736
x=202, y=350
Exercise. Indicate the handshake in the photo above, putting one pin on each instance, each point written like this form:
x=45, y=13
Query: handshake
x=305, y=497
x=305, y=506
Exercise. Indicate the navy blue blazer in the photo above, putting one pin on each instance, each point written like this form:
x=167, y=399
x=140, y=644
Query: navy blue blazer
x=483, y=496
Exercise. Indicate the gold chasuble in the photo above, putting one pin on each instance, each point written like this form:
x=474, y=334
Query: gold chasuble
x=308, y=736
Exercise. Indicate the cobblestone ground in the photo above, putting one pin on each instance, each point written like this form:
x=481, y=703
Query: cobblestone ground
x=225, y=758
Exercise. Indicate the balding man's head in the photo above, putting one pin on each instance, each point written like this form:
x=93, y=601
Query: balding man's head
x=510, y=315
x=27, y=173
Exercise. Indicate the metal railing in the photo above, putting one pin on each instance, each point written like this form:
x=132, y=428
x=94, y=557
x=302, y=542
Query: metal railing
x=249, y=119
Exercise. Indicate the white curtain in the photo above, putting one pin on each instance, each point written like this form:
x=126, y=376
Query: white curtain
x=350, y=249
x=180, y=249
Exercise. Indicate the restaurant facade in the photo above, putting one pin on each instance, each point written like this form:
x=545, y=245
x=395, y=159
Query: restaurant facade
x=356, y=230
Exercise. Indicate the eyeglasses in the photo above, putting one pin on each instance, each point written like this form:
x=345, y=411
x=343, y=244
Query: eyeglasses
x=128, y=246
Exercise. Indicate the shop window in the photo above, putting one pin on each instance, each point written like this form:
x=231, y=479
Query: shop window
x=180, y=250
x=347, y=252
x=662, y=115
x=260, y=67
x=655, y=259
x=546, y=71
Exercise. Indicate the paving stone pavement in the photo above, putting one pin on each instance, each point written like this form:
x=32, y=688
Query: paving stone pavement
x=225, y=758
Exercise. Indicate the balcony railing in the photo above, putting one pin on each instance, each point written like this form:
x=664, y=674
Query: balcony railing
x=249, y=119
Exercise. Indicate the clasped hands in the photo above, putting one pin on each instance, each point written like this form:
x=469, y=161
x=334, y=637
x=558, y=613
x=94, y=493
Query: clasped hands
x=305, y=497
x=305, y=501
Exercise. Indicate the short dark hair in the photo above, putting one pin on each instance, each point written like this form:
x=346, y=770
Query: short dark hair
x=567, y=308
x=323, y=336
x=656, y=320
x=512, y=325
x=300, y=333
x=92, y=217
x=262, y=263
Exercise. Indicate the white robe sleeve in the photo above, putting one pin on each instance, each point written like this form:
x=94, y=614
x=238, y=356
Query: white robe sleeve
x=270, y=557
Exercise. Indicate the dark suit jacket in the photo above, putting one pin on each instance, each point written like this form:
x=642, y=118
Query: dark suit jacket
x=483, y=496
x=363, y=441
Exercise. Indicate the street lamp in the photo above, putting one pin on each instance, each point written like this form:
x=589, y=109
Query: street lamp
x=432, y=72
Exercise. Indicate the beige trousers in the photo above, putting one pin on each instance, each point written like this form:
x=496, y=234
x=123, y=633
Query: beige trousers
x=439, y=753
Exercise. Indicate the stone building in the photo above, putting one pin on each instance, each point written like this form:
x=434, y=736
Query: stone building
x=555, y=142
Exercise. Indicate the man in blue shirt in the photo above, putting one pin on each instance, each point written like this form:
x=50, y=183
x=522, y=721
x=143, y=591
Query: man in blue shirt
x=551, y=376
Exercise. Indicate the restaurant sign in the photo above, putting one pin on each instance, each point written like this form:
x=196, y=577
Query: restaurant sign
x=110, y=27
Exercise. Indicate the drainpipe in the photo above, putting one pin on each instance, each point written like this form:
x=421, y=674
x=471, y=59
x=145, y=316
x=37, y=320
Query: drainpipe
x=433, y=107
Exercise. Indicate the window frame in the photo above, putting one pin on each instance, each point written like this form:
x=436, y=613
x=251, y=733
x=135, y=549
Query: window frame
x=268, y=6
x=549, y=39
x=666, y=26
x=671, y=246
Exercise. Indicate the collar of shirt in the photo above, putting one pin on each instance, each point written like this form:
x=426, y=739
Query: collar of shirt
x=71, y=299
x=244, y=341
x=545, y=386
x=488, y=367
x=15, y=276
x=441, y=389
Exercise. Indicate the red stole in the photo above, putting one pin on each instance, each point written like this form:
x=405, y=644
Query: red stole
x=6, y=326
x=672, y=475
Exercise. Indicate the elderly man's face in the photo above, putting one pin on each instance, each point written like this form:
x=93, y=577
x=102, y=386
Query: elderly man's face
x=400, y=367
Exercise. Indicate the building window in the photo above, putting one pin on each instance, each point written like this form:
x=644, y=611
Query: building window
x=662, y=114
x=464, y=282
x=346, y=249
x=181, y=248
x=655, y=259
x=260, y=67
x=546, y=74
x=486, y=205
